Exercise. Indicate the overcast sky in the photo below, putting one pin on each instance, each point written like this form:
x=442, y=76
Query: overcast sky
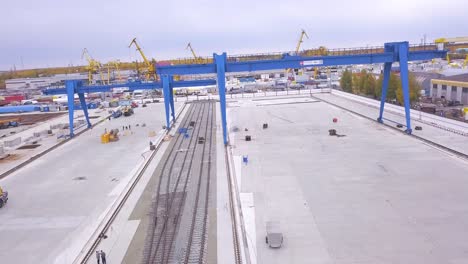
x=54, y=32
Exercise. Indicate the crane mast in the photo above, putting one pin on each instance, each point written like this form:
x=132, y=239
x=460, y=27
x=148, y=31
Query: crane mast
x=93, y=65
x=301, y=39
x=151, y=70
x=189, y=46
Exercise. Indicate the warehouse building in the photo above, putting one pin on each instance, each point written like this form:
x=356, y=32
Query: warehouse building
x=452, y=88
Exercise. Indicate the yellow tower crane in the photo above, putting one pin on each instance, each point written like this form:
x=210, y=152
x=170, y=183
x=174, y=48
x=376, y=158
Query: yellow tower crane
x=93, y=65
x=189, y=46
x=151, y=70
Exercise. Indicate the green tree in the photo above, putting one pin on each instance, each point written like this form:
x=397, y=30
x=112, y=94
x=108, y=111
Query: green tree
x=393, y=85
x=346, y=81
x=414, y=91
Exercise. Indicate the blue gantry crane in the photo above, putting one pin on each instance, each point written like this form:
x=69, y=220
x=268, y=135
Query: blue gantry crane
x=392, y=52
x=73, y=87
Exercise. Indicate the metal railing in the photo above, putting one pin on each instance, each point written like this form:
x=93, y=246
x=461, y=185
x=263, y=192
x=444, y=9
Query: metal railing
x=322, y=51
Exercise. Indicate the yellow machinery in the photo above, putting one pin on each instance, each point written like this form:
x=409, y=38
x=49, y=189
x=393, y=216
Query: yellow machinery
x=301, y=39
x=150, y=68
x=111, y=136
x=452, y=40
x=114, y=65
x=189, y=46
x=298, y=46
x=465, y=62
x=93, y=65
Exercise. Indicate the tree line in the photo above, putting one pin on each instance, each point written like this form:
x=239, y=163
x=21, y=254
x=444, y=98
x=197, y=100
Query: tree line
x=365, y=83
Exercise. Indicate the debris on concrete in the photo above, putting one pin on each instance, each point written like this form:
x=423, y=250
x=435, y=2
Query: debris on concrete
x=332, y=132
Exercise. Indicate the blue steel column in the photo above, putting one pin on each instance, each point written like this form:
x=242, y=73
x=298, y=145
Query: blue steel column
x=220, y=61
x=385, y=81
x=171, y=94
x=403, y=56
x=84, y=107
x=70, y=86
x=166, y=94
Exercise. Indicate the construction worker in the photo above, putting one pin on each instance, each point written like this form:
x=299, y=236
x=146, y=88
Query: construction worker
x=98, y=256
x=103, y=257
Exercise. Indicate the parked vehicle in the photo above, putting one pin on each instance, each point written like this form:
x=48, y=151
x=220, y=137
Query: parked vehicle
x=274, y=237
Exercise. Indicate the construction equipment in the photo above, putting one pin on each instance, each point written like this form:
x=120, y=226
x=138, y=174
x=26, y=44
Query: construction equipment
x=189, y=46
x=3, y=197
x=128, y=111
x=93, y=65
x=115, y=66
x=150, y=68
x=465, y=62
x=301, y=39
x=111, y=136
x=298, y=46
x=117, y=113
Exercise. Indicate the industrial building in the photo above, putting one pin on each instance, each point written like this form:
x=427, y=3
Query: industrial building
x=452, y=88
x=30, y=85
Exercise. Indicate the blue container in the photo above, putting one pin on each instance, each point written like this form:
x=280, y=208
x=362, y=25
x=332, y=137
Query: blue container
x=245, y=159
x=19, y=109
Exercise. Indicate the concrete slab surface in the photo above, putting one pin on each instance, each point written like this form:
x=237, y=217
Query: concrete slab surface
x=44, y=142
x=372, y=196
x=57, y=201
x=440, y=136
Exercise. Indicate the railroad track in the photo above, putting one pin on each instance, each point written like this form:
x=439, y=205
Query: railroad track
x=177, y=232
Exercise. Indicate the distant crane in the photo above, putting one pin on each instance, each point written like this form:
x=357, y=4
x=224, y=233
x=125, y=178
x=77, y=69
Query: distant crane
x=151, y=70
x=298, y=46
x=189, y=46
x=93, y=65
x=301, y=39
x=115, y=65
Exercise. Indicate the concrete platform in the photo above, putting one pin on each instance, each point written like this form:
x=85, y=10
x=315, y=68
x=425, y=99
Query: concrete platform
x=57, y=201
x=373, y=196
x=435, y=134
x=44, y=142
